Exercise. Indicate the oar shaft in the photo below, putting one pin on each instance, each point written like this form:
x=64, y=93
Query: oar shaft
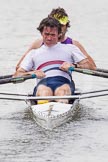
x=89, y=72
x=5, y=76
x=81, y=96
x=92, y=96
x=17, y=79
x=102, y=90
x=102, y=70
x=13, y=94
x=22, y=98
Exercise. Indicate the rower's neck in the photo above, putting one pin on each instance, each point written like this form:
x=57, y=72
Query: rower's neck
x=63, y=39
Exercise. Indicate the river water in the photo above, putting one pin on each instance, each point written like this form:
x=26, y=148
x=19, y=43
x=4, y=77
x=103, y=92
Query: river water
x=85, y=139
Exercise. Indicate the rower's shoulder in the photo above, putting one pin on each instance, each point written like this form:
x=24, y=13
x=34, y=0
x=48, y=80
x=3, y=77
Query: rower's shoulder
x=37, y=43
x=69, y=46
x=78, y=44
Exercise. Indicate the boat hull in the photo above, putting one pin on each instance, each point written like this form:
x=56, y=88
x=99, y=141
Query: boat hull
x=53, y=114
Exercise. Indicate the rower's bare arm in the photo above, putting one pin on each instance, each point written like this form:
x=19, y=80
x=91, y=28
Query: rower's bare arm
x=86, y=64
x=21, y=72
x=84, y=52
x=34, y=45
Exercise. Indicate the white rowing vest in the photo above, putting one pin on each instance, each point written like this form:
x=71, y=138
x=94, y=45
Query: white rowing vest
x=48, y=59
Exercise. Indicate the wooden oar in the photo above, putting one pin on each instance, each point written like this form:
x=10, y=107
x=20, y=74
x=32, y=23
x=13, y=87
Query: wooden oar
x=17, y=79
x=102, y=70
x=5, y=76
x=89, y=72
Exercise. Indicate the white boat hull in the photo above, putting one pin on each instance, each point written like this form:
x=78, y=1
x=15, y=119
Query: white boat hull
x=53, y=114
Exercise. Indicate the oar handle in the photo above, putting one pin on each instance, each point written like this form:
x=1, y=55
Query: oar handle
x=17, y=79
x=89, y=72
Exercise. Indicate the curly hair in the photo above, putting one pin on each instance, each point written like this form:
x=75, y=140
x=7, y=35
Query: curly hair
x=49, y=22
x=61, y=13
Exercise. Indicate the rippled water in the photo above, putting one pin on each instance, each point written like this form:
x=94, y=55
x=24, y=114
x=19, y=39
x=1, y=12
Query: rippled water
x=84, y=139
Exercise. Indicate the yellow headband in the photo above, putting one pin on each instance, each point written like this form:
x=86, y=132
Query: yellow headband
x=62, y=20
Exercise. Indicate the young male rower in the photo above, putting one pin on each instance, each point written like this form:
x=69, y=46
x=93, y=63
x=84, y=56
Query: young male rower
x=61, y=15
x=51, y=61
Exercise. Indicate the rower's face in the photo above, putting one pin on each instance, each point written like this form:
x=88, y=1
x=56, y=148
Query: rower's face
x=50, y=36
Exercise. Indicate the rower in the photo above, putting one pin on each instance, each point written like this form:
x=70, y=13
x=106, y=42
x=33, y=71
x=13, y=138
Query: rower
x=52, y=53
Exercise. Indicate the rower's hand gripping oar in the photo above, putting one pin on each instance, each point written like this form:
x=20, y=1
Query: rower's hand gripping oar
x=89, y=72
x=17, y=79
x=98, y=69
